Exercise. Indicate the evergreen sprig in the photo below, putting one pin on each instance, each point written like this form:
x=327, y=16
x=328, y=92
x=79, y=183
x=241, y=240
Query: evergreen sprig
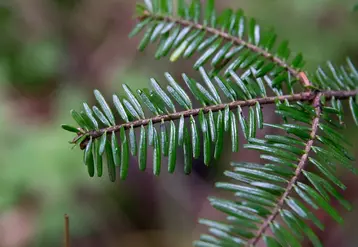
x=265, y=193
x=246, y=71
x=228, y=41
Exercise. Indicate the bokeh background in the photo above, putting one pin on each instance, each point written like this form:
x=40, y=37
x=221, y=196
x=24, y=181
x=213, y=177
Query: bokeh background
x=53, y=53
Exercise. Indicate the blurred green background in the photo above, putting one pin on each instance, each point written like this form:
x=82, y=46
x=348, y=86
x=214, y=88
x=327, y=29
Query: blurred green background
x=53, y=53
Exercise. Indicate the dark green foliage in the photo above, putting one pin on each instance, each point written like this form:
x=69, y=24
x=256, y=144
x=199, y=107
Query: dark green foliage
x=69, y=128
x=220, y=39
x=246, y=71
x=158, y=100
x=264, y=187
x=355, y=8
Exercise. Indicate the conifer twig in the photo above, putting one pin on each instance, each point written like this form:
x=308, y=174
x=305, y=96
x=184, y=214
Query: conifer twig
x=236, y=40
x=306, y=96
x=300, y=167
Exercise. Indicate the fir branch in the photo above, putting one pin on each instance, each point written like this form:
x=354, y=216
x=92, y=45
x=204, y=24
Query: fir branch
x=301, y=166
x=306, y=96
x=264, y=191
x=236, y=40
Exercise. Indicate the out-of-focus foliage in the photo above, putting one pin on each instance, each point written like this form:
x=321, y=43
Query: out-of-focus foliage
x=27, y=63
x=35, y=165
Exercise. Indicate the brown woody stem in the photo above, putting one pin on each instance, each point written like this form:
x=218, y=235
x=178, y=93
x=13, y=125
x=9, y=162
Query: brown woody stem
x=67, y=231
x=306, y=96
x=301, y=166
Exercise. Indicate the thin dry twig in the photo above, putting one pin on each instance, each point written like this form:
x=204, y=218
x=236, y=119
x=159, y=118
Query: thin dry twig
x=67, y=231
